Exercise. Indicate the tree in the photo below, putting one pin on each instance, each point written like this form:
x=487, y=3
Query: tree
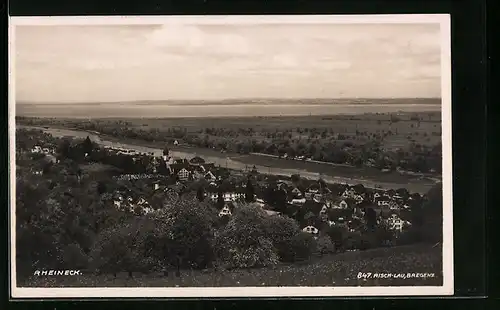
x=336, y=235
x=322, y=184
x=220, y=200
x=87, y=146
x=64, y=148
x=101, y=187
x=403, y=192
x=200, y=193
x=359, y=188
x=119, y=248
x=433, y=214
x=244, y=242
x=371, y=218
x=249, y=191
x=166, y=151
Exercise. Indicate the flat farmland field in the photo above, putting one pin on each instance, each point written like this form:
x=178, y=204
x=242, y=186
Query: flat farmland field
x=423, y=128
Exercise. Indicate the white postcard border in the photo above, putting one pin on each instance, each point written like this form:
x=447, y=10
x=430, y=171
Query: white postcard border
x=197, y=292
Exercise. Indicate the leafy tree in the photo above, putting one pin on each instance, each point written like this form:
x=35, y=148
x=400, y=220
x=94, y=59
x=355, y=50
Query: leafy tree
x=64, y=148
x=324, y=245
x=249, y=191
x=101, y=187
x=243, y=242
x=403, y=192
x=184, y=231
x=295, y=178
x=87, y=146
x=371, y=218
x=119, y=248
x=220, y=200
x=433, y=214
x=200, y=194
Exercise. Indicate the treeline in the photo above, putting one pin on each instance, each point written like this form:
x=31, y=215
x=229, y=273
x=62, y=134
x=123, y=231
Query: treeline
x=362, y=148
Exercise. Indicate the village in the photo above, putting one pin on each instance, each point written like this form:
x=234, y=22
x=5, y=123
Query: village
x=316, y=205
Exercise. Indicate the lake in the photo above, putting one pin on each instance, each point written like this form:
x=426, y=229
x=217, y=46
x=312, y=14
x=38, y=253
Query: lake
x=132, y=110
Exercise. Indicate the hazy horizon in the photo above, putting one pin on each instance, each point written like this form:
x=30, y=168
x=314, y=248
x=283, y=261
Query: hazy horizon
x=179, y=61
x=253, y=101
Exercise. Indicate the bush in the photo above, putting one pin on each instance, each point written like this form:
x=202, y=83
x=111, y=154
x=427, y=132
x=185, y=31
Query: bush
x=284, y=233
x=243, y=242
x=324, y=245
x=301, y=247
x=184, y=231
x=119, y=248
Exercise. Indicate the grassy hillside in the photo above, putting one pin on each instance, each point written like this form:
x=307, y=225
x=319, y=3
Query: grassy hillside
x=332, y=270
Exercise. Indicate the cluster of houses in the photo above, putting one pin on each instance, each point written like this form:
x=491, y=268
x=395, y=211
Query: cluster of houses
x=133, y=205
x=350, y=204
x=317, y=197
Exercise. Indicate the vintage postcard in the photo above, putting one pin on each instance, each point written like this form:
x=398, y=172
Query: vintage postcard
x=230, y=156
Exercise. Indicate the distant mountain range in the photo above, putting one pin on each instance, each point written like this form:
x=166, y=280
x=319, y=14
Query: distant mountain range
x=270, y=101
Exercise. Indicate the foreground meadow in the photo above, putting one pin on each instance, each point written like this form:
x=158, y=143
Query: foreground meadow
x=332, y=270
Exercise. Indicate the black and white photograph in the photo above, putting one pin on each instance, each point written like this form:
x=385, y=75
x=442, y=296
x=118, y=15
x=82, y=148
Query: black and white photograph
x=230, y=156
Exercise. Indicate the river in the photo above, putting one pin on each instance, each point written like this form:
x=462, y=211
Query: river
x=233, y=163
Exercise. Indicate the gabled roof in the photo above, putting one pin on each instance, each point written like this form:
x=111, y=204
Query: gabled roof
x=197, y=160
x=178, y=160
x=208, y=166
x=178, y=167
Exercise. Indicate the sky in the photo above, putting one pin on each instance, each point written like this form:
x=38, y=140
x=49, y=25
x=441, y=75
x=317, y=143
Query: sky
x=109, y=63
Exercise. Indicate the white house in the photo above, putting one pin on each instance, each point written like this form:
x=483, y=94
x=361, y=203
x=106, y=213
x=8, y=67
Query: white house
x=225, y=212
x=383, y=203
x=210, y=176
x=213, y=196
x=260, y=202
x=397, y=197
x=298, y=201
x=36, y=149
x=270, y=212
x=396, y=223
x=358, y=198
x=393, y=206
x=311, y=230
x=348, y=193
x=183, y=174
x=142, y=202
x=296, y=192
x=343, y=205
x=176, y=142
x=232, y=196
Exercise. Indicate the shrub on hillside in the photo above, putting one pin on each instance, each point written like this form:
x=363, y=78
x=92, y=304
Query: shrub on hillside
x=301, y=247
x=287, y=239
x=120, y=248
x=183, y=234
x=243, y=242
x=324, y=245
